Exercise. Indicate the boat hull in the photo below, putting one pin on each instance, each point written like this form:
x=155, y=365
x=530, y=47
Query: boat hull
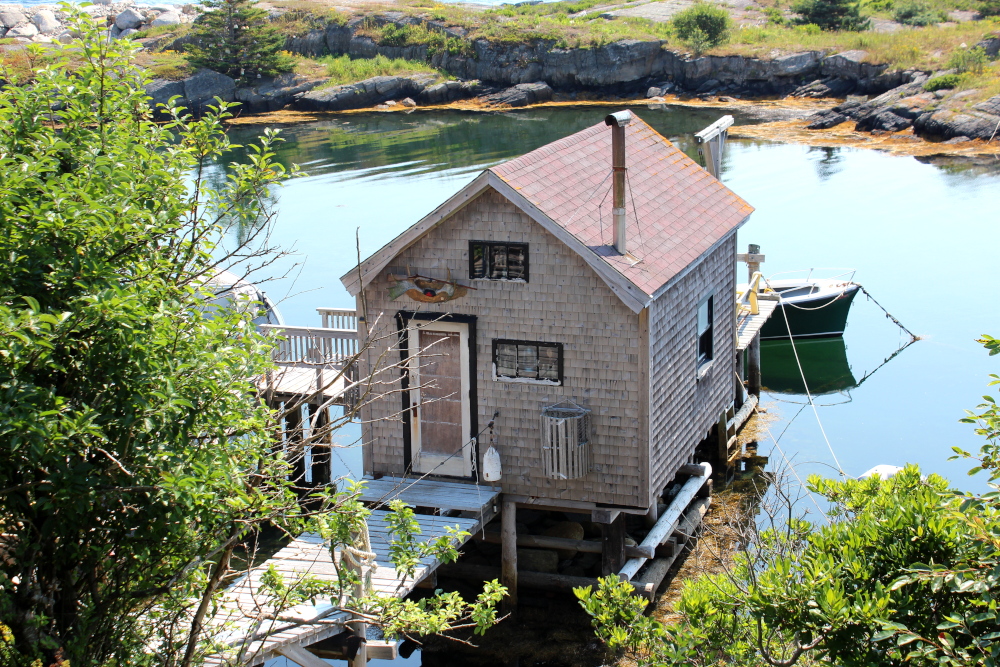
x=821, y=318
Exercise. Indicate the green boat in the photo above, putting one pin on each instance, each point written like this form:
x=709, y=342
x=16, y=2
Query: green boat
x=813, y=308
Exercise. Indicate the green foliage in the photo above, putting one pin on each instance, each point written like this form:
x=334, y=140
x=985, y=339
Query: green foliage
x=702, y=26
x=436, y=41
x=237, y=39
x=775, y=16
x=128, y=420
x=831, y=14
x=917, y=12
x=973, y=61
x=136, y=454
x=943, y=82
x=344, y=69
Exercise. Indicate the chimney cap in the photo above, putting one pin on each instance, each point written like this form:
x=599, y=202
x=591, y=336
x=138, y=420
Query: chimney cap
x=621, y=118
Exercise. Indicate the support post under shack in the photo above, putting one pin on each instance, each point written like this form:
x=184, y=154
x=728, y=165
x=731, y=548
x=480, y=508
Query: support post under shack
x=508, y=543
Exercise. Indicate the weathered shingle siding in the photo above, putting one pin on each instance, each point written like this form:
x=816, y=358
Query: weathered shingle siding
x=682, y=407
x=563, y=302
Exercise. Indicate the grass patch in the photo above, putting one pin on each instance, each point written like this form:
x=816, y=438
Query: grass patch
x=172, y=65
x=176, y=30
x=343, y=69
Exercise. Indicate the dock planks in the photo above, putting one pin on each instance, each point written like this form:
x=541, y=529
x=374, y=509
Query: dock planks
x=307, y=624
x=747, y=326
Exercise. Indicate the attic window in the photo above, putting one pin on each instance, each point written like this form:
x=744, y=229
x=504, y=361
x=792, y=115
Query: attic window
x=498, y=261
x=525, y=361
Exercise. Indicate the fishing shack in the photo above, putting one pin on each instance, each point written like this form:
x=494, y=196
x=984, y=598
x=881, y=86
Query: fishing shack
x=568, y=314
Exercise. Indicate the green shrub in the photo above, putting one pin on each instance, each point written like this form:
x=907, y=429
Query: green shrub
x=702, y=27
x=774, y=16
x=945, y=81
x=236, y=38
x=972, y=60
x=831, y=14
x=917, y=12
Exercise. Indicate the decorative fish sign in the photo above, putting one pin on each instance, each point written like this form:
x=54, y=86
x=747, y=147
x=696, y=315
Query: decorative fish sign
x=426, y=290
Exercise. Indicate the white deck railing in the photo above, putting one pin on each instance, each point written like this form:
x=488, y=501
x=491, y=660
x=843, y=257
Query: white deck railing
x=308, y=346
x=338, y=318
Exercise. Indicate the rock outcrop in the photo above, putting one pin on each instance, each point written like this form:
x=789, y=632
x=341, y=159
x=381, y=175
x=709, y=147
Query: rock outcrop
x=521, y=95
x=363, y=94
x=939, y=114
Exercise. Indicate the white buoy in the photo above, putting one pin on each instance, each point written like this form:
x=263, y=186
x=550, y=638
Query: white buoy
x=491, y=465
x=884, y=471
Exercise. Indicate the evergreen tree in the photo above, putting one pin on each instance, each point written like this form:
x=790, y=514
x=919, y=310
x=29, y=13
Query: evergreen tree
x=237, y=39
x=832, y=14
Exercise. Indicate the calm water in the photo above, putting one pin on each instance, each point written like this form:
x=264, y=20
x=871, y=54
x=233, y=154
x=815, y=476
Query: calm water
x=923, y=238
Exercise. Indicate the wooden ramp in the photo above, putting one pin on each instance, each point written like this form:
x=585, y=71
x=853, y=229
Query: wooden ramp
x=748, y=325
x=471, y=499
x=307, y=624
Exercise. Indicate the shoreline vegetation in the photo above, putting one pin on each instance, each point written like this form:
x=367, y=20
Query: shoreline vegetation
x=940, y=55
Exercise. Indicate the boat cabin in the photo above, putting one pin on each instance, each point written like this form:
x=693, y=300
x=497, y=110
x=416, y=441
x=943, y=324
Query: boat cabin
x=572, y=309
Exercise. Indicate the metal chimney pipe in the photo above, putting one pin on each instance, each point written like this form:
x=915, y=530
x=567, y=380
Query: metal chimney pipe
x=617, y=122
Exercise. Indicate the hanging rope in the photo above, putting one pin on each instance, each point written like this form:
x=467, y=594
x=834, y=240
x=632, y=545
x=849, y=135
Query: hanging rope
x=359, y=555
x=899, y=324
x=805, y=384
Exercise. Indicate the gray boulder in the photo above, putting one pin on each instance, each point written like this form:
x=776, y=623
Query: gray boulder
x=3, y=31
x=27, y=30
x=363, y=94
x=978, y=122
x=127, y=33
x=538, y=560
x=276, y=93
x=12, y=18
x=166, y=18
x=991, y=45
x=201, y=89
x=161, y=90
x=130, y=18
x=824, y=120
x=46, y=22
x=65, y=37
x=795, y=64
x=521, y=95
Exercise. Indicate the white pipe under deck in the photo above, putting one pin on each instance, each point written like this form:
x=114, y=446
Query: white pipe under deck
x=667, y=523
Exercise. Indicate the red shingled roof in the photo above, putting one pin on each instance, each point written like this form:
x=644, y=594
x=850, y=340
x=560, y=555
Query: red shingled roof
x=679, y=211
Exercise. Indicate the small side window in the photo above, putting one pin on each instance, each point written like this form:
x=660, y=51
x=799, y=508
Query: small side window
x=706, y=338
x=524, y=361
x=498, y=261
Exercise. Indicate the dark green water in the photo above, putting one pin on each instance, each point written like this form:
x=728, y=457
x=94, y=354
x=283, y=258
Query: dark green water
x=923, y=237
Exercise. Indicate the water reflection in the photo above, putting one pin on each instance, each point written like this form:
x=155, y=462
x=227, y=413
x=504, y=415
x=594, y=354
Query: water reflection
x=376, y=145
x=824, y=365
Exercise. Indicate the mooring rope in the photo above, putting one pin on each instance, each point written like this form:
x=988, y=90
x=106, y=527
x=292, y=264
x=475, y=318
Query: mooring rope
x=805, y=384
x=899, y=324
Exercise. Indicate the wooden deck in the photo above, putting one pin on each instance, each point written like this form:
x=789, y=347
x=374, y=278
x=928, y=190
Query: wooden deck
x=309, y=361
x=306, y=624
x=747, y=325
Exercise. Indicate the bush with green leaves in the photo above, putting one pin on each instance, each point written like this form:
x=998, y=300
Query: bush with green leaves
x=831, y=14
x=903, y=571
x=973, y=61
x=236, y=38
x=702, y=26
x=943, y=82
x=918, y=13
x=136, y=450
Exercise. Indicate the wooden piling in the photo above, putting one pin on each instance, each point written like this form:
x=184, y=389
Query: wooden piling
x=508, y=536
x=613, y=546
x=753, y=366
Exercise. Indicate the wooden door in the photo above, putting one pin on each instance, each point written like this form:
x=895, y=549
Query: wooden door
x=440, y=417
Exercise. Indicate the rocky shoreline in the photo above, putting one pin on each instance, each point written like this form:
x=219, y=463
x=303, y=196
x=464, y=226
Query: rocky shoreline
x=502, y=74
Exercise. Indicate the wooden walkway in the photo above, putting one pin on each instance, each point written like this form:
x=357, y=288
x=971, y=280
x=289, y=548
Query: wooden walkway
x=306, y=624
x=747, y=325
